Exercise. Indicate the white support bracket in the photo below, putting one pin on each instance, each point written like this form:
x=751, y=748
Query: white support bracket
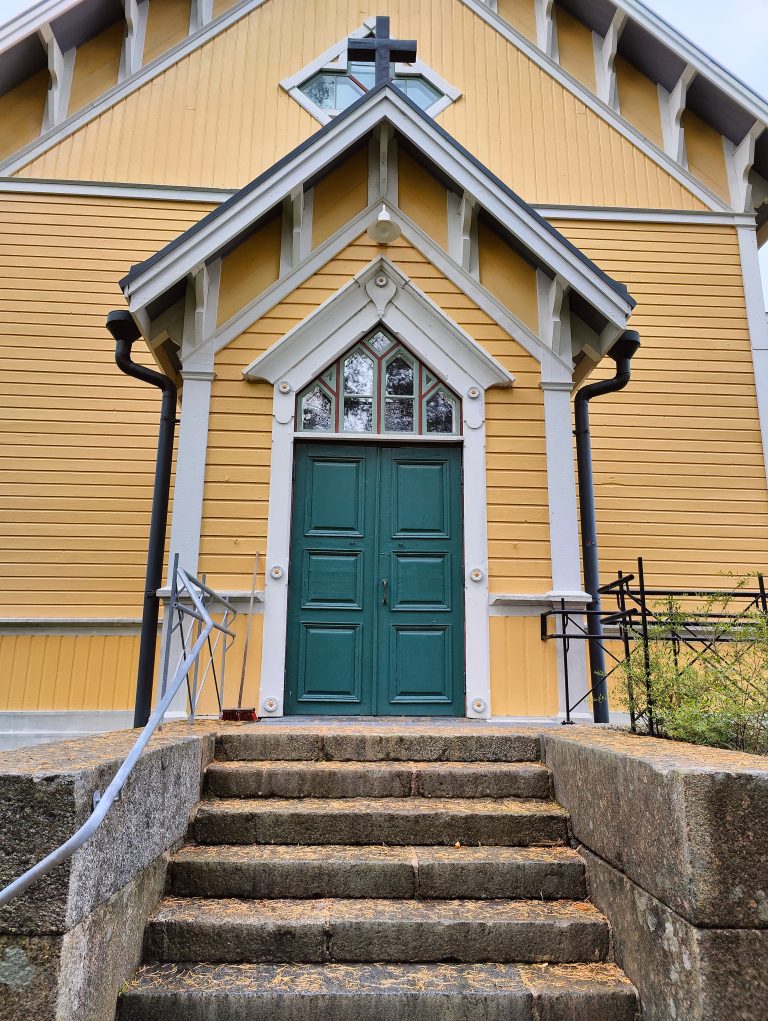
x=382, y=165
x=739, y=159
x=605, y=59
x=554, y=315
x=297, y=229
x=201, y=14
x=672, y=109
x=546, y=28
x=132, y=56
x=462, y=232
x=60, y=67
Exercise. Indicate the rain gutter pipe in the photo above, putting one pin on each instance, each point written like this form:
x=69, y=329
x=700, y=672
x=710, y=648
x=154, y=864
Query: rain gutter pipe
x=125, y=332
x=622, y=353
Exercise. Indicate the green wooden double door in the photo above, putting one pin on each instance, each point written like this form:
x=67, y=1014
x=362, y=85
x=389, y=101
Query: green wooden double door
x=376, y=586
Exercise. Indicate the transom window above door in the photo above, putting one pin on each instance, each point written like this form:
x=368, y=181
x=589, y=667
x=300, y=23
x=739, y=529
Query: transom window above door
x=379, y=387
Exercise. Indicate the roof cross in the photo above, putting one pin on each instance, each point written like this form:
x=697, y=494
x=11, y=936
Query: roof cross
x=382, y=51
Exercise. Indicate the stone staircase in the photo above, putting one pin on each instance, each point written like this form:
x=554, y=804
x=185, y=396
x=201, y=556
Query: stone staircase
x=369, y=874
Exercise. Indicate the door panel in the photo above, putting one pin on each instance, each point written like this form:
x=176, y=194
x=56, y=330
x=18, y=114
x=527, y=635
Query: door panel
x=420, y=665
x=420, y=655
x=330, y=663
x=331, y=616
x=376, y=599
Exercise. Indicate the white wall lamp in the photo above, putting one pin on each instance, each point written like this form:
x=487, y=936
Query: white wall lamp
x=385, y=230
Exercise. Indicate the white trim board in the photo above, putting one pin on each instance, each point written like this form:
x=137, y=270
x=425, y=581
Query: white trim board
x=157, y=275
x=215, y=196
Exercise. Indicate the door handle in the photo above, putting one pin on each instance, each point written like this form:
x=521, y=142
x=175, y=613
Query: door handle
x=384, y=598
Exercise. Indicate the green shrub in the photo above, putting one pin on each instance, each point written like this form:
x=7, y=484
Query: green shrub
x=712, y=690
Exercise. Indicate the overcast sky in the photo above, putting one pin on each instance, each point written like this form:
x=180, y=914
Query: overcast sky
x=734, y=33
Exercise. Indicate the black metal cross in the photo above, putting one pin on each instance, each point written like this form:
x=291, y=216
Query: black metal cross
x=382, y=50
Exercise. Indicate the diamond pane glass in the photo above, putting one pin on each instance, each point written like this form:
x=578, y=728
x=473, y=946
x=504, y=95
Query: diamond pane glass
x=439, y=414
x=364, y=72
x=380, y=342
x=358, y=415
x=398, y=415
x=400, y=377
x=331, y=91
x=316, y=411
x=358, y=375
x=419, y=90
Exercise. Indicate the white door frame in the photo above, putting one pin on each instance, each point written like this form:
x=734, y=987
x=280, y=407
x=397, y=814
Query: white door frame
x=378, y=294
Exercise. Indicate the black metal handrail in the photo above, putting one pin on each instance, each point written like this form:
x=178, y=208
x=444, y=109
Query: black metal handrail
x=630, y=624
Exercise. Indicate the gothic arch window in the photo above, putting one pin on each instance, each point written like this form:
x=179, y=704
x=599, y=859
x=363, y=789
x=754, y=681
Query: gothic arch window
x=378, y=387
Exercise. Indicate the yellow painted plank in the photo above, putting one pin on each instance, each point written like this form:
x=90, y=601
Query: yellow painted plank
x=575, y=47
x=97, y=63
x=167, y=24
x=21, y=113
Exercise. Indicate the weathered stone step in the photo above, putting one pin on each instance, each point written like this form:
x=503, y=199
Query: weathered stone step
x=384, y=742
x=277, y=871
x=308, y=931
x=275, y=779
x=401, y=821
x=379, y=992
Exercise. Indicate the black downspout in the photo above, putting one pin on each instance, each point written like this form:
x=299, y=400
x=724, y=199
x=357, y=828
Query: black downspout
x=622, y=353
x=122, y=327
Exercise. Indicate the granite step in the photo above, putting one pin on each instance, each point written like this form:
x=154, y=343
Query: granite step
x=379, y=992
x=400, y=821
x=333, y=779
x=278, y=871
x=396, y=742
x=335, y=930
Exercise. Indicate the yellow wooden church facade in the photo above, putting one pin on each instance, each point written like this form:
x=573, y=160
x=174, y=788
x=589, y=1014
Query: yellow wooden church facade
x=556, y=173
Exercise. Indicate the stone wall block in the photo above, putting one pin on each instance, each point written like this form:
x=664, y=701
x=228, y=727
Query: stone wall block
x=685, y=823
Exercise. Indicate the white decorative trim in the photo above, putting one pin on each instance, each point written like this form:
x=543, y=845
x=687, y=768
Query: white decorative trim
x=672, y=107
x=383, y=166
x=215, y=196
x=758, y=325
x=606, y=49
x=60, y=68
x=616, y=215
x=132, y=55
x=70, y=626
x=533, y=605
x=605, y=112
x=462, y=233
x=563, y=521
x=739, y=160
x=128, y=85
x=388, y=104
x=335, y=59
x=95, y=189
x=306, y=347
x=444, y=347
x=197, y=356
x=546, y=28
x=201, y=14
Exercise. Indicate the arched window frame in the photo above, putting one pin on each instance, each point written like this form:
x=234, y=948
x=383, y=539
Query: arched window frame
x=426, y=386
